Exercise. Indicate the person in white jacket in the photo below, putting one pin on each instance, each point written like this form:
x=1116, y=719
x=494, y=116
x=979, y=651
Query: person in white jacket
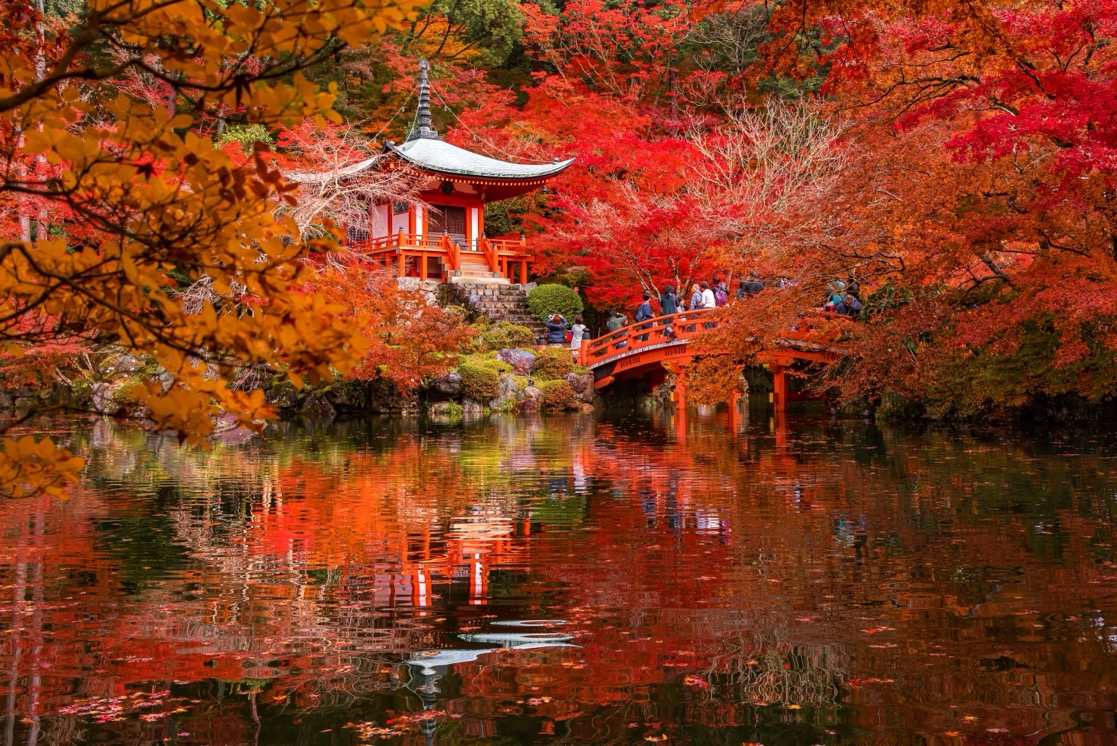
x=708, y=300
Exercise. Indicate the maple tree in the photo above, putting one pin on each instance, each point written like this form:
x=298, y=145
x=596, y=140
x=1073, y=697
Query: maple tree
x=978, y=203
x=121, y=191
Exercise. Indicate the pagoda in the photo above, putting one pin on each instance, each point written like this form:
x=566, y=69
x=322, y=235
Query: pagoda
x=444, y=235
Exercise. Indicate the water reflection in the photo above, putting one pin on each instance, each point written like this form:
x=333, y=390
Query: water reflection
x=720, y=580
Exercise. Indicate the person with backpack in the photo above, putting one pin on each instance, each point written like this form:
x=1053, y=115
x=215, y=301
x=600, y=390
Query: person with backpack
x=852, y=303
x=721, y=293
x=644, y=312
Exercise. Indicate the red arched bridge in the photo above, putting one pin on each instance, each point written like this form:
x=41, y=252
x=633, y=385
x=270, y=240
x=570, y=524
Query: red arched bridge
x=649, y=350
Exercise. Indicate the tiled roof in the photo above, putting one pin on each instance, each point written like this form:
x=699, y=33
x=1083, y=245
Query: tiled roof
x=442, y=157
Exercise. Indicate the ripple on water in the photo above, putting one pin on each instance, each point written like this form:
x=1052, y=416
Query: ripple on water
x=579, y=578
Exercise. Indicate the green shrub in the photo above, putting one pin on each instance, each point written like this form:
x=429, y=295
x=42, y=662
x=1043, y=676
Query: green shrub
x=552, y=363
x=557, y=396
x=246, y=135
x=546, y=300
x=505, y=335
x=479, y=384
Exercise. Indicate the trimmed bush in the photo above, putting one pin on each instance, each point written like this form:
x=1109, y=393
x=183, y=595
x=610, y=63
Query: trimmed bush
x=508, y=336
x=547, y=300
x=552, y=363
x=479, y=384
x=558, y=396
x=245, y=135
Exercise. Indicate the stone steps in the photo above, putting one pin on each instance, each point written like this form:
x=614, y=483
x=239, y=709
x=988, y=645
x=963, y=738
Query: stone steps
x=496, y=302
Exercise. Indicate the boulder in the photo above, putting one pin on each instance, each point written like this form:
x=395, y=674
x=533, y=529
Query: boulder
x=120, y=364
x=166, y=379
x=317, y=408
x=227, y=429
x=520, y=360
x=472, y=408
x=282, y=394
x=582, y=383
x=446, y=387
x=384, y=397
x=346, y=396
x=506, y=397
x=447, y=409
x=530, y=401
x=103, y=397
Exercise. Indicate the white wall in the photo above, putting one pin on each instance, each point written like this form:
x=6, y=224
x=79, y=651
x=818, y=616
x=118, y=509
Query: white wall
x=399, y=222
x=380, y=220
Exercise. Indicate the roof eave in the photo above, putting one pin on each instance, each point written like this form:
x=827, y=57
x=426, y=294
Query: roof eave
x=550, y=171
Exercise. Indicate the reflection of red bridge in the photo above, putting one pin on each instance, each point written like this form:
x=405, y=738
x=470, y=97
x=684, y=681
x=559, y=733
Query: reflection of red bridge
x=653, y=348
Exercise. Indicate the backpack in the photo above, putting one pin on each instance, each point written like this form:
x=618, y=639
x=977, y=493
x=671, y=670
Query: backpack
x=720, y=296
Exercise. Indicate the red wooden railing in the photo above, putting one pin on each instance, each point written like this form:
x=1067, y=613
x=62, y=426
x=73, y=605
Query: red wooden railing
x=489, y=249
x=682, y=327
x=453, y=253
x=662, y=331
x=502, y=255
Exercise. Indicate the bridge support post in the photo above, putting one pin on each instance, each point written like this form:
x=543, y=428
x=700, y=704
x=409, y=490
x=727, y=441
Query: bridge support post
x=779, y=389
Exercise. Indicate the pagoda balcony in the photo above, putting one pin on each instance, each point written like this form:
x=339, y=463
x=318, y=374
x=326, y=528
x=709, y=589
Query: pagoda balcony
x=440, y=256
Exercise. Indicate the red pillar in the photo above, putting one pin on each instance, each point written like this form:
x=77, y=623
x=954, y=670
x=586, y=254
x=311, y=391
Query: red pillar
x=680, y=405
x=779, y=389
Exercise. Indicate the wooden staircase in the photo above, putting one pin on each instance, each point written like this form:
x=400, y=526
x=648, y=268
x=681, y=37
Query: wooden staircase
x=474, y=269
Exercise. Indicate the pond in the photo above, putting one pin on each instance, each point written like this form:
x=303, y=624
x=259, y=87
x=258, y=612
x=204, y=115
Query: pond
x=579, y=579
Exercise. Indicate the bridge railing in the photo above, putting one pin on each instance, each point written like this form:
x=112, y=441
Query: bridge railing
x=665, y=330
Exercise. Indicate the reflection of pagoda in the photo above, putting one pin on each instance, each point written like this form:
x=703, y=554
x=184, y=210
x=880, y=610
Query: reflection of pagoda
x=445, y=236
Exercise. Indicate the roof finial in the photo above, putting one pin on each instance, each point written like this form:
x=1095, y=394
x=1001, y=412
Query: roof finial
x=423, y=127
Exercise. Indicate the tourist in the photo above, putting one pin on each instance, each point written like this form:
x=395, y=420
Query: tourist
x=616, y=321
x=849, y=304
x=556, y=330
x=708, y=300
x=644, y=314
x=577, y=333
x=668, y=301
x=835, y=295
x=624, y=323
x=695, y=298
x=749, y=287
x=721, y=292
